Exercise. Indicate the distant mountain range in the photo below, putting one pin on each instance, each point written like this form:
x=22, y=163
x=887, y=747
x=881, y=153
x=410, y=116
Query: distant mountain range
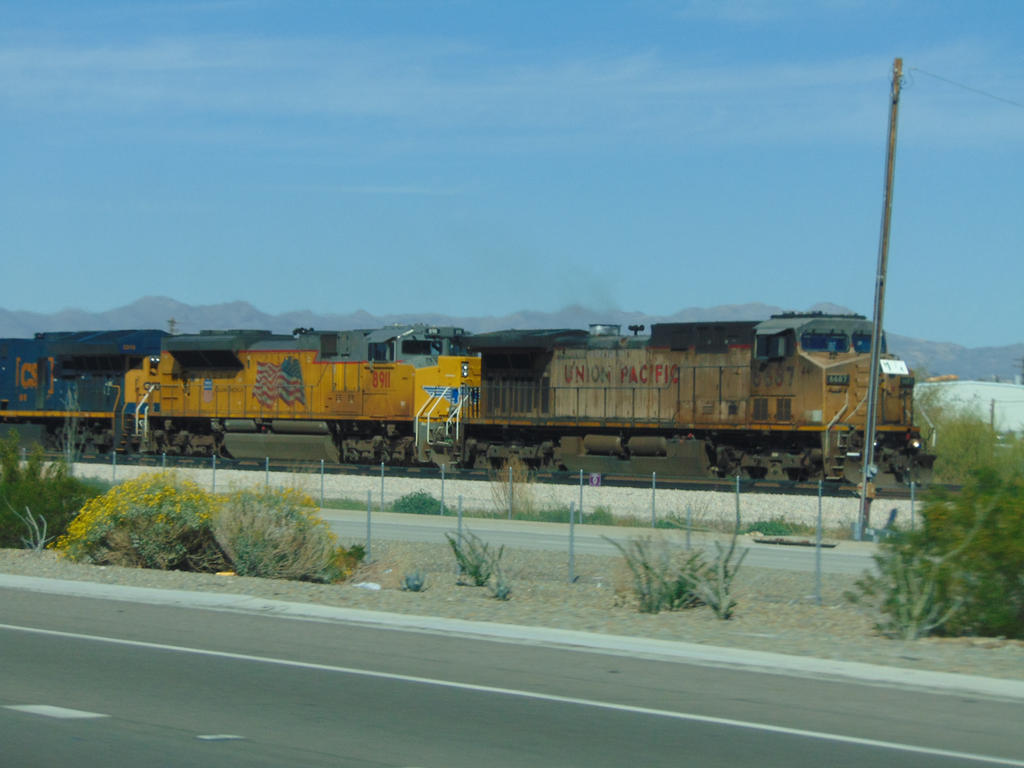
x=936, y=358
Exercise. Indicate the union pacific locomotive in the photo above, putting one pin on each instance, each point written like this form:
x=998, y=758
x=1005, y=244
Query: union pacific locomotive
x=784, y=398
x=397, y=394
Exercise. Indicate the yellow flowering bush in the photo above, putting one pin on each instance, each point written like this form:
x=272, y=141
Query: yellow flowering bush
x=275, y=534
x=156, y=521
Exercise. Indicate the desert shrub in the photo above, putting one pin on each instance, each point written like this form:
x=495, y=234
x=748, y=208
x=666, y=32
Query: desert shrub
x=512, y=489
x=987, y=575
x=38, y=490
x=962, y=572
x=500, y=588
x=414, y=581
x=664, y=577
x=156, y=521
x=275, y=534
x=418, y=503
x=668, y=578
x=715, y=584
x=906, y=591
x=475, y=558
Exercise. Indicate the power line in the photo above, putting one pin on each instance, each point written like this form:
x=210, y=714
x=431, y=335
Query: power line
x=968, y=88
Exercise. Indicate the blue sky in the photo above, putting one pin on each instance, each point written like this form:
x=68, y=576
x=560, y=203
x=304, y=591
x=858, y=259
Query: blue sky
x=479, y=158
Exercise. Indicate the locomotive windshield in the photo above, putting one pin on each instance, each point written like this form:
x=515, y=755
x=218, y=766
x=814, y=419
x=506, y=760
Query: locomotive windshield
x=817, y=341
x=428, y=347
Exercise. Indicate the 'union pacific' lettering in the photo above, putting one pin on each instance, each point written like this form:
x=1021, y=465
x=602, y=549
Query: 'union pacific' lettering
x=584, y=374
x=649, y=374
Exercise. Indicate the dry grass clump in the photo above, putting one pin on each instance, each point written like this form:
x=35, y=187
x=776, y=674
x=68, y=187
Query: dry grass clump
x=276, y=535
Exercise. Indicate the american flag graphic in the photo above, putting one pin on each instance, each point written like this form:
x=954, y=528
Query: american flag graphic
x=275, y=381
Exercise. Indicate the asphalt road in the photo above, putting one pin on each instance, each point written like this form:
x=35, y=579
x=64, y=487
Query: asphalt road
x=847, y=557
x=173, y=686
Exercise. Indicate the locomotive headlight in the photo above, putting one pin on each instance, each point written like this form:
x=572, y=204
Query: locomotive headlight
x=915, y=445
x=465, y=370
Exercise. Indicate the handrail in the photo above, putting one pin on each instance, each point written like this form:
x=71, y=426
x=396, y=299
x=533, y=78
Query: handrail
x=145, y=411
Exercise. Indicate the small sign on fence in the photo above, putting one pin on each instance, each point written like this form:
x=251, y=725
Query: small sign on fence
x=595, y=479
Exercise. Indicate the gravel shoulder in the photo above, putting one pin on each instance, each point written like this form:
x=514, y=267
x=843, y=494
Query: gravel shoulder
x=776, y=609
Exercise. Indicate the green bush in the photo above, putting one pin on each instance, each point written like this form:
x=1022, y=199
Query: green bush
x=963, y=441
x=418, y=503
x=987, y=576
x=154, y=521
x=475, y=558
x=776, y=526
x=962, y=573
x=600, y=516
x=36, y=489
x=276, y=535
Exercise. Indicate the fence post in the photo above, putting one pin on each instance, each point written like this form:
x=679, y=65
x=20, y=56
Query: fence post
x=689, y=524
x=737, y=502
x=369, y=503
x=572, y=542
x=321, y=483
x=213, y=482
x=113, y=466
x=817, y=551
x=442, y=490
x=911, y=505
x=266, y=475
x=458, y=568
x=581, y=497
x=510, y=491
x=163, y=460
x=654, y=482
x=382, y=486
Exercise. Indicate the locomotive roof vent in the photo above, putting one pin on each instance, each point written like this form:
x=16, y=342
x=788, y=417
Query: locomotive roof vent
x=605, y=329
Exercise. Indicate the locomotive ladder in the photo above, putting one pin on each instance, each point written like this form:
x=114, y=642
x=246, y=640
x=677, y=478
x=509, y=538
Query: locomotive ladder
x=452, y=420
x=142, y=414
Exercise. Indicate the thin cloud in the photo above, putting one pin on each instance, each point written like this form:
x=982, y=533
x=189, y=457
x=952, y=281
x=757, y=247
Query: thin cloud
x=445, y=89
x=759, y=11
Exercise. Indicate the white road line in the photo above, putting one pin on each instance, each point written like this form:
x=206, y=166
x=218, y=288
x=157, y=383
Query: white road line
x=219, y=737
x=51, y=711
x=685, y=716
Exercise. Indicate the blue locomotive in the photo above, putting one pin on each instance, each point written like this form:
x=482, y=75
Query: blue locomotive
x=56, y=378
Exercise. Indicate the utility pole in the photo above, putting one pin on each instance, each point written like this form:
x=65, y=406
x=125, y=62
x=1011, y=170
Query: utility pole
x=868, y=454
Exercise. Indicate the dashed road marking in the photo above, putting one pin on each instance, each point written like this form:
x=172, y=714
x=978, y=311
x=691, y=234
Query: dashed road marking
x=219, y=737
x=48, y=710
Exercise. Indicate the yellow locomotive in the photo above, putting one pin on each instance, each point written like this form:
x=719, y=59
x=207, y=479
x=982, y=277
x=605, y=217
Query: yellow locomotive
x=399, y=395
x=782, y=399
